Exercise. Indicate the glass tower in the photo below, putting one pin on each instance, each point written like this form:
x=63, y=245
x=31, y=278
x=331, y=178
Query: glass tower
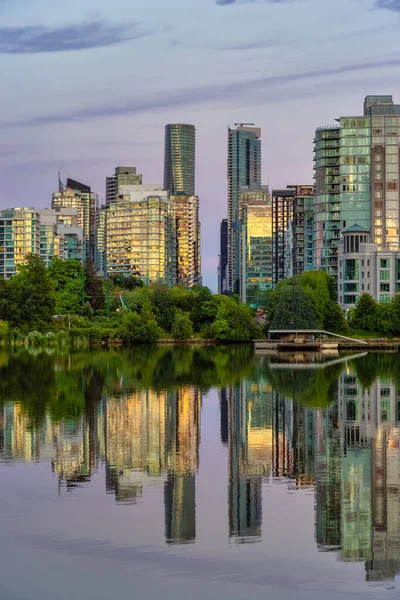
x=179, y=159
x=244, y=169
x=255, y=231
x=326, y=229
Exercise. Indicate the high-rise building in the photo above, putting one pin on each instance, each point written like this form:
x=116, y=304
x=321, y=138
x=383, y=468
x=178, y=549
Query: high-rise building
x=179, y=159
x=244, y=169
x=141, y=238
x=186, y=210
x=303, y=215
x=282, y=214
x=326, y=227
x=19, y=236
x=60, y=234
x=101, y=239
x=122, y=176
x=223, y=281
x=255, y=249
x=358, y=180
x=78, y=195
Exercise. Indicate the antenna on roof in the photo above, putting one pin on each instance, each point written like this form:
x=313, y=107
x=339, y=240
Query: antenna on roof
x=242, y=124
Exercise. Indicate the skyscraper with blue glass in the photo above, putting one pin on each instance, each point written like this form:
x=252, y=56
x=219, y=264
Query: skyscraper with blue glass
x=244, y=169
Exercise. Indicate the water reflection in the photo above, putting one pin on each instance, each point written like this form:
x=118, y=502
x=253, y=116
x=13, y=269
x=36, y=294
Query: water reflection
x=333, y=432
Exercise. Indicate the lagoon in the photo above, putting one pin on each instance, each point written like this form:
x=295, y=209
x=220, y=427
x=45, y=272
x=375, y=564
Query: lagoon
x=193, y=472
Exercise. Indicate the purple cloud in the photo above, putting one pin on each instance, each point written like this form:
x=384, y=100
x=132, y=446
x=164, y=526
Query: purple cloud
x=81, y=36
x=389, y=4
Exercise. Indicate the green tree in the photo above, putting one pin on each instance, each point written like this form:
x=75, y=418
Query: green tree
x=182, y=327
x=234, y=323
x=33, y=297
x=94, y=292
x=295, y=310
x=141, y=328
x=334, y=319
x=365, y=314
x=67, y=278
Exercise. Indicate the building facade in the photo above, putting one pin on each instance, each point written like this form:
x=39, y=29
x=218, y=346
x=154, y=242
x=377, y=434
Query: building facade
x=244, y=169
x=188, y=266
x=326, y=224
x=282, y=214
x=223, y=283
x=365, y=268
x=255, y=249
x=122, y=176
x=60, y=235
x=19, y=236
x=180, y=159
x=141, y=238
x=79, y=196
x=303, y=218
x=357, y=180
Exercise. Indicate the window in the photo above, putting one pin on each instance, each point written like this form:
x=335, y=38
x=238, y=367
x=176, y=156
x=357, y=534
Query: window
x=362, y=287
x=385, y=275
x=350, y=299
x=351, y=269
x=385, y=263
x=385, y=298
x=385, y=287
x=351, y=287
x=368, y=265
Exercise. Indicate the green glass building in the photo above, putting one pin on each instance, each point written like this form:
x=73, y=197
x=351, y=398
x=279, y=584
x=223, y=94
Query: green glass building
x=326, y=226
x=179, y=159
x=244, y=169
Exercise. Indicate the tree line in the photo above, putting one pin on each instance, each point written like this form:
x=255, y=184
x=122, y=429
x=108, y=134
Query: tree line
x=68, y=301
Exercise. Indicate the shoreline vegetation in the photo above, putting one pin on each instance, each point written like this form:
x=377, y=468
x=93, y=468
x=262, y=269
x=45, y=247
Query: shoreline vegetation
x=68, y=304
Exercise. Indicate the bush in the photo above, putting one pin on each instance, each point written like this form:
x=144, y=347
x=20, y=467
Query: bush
x=136, y=329
x=182, y=327
x=35, y=337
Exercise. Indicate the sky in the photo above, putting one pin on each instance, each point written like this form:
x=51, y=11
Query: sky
x=87, y=85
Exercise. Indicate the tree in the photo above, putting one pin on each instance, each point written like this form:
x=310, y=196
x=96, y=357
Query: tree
x=140, y=328
x=67, y=278
x=365, y=314
x=334, y=319
x=33, y=297
x=182, y=327
x=294, y=310
x=93, y=286
x=318, y=285
x=234, y=323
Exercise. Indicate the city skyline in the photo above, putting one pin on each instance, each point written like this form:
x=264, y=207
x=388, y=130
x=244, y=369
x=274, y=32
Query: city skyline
x=111, y=122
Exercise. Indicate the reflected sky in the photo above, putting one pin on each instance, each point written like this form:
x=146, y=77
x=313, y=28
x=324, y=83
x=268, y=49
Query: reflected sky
x=216, y=489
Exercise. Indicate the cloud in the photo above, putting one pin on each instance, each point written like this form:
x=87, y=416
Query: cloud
x=230, y=2
x=196, y=95
x=389, y=4
x=82, y=36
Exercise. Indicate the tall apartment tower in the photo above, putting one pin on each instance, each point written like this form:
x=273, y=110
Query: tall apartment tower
x=223, y=257
x=179, y=159
x=357, y=180
x=255, y=248
x=122, y=176
x=244, y=169
x=186, y=209
x=282, y=216
x=78, y=195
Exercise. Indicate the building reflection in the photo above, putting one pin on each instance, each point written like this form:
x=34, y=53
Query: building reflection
x=347, y=454
x=250, y=457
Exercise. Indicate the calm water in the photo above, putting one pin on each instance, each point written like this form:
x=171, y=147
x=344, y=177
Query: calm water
x=198, y=473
